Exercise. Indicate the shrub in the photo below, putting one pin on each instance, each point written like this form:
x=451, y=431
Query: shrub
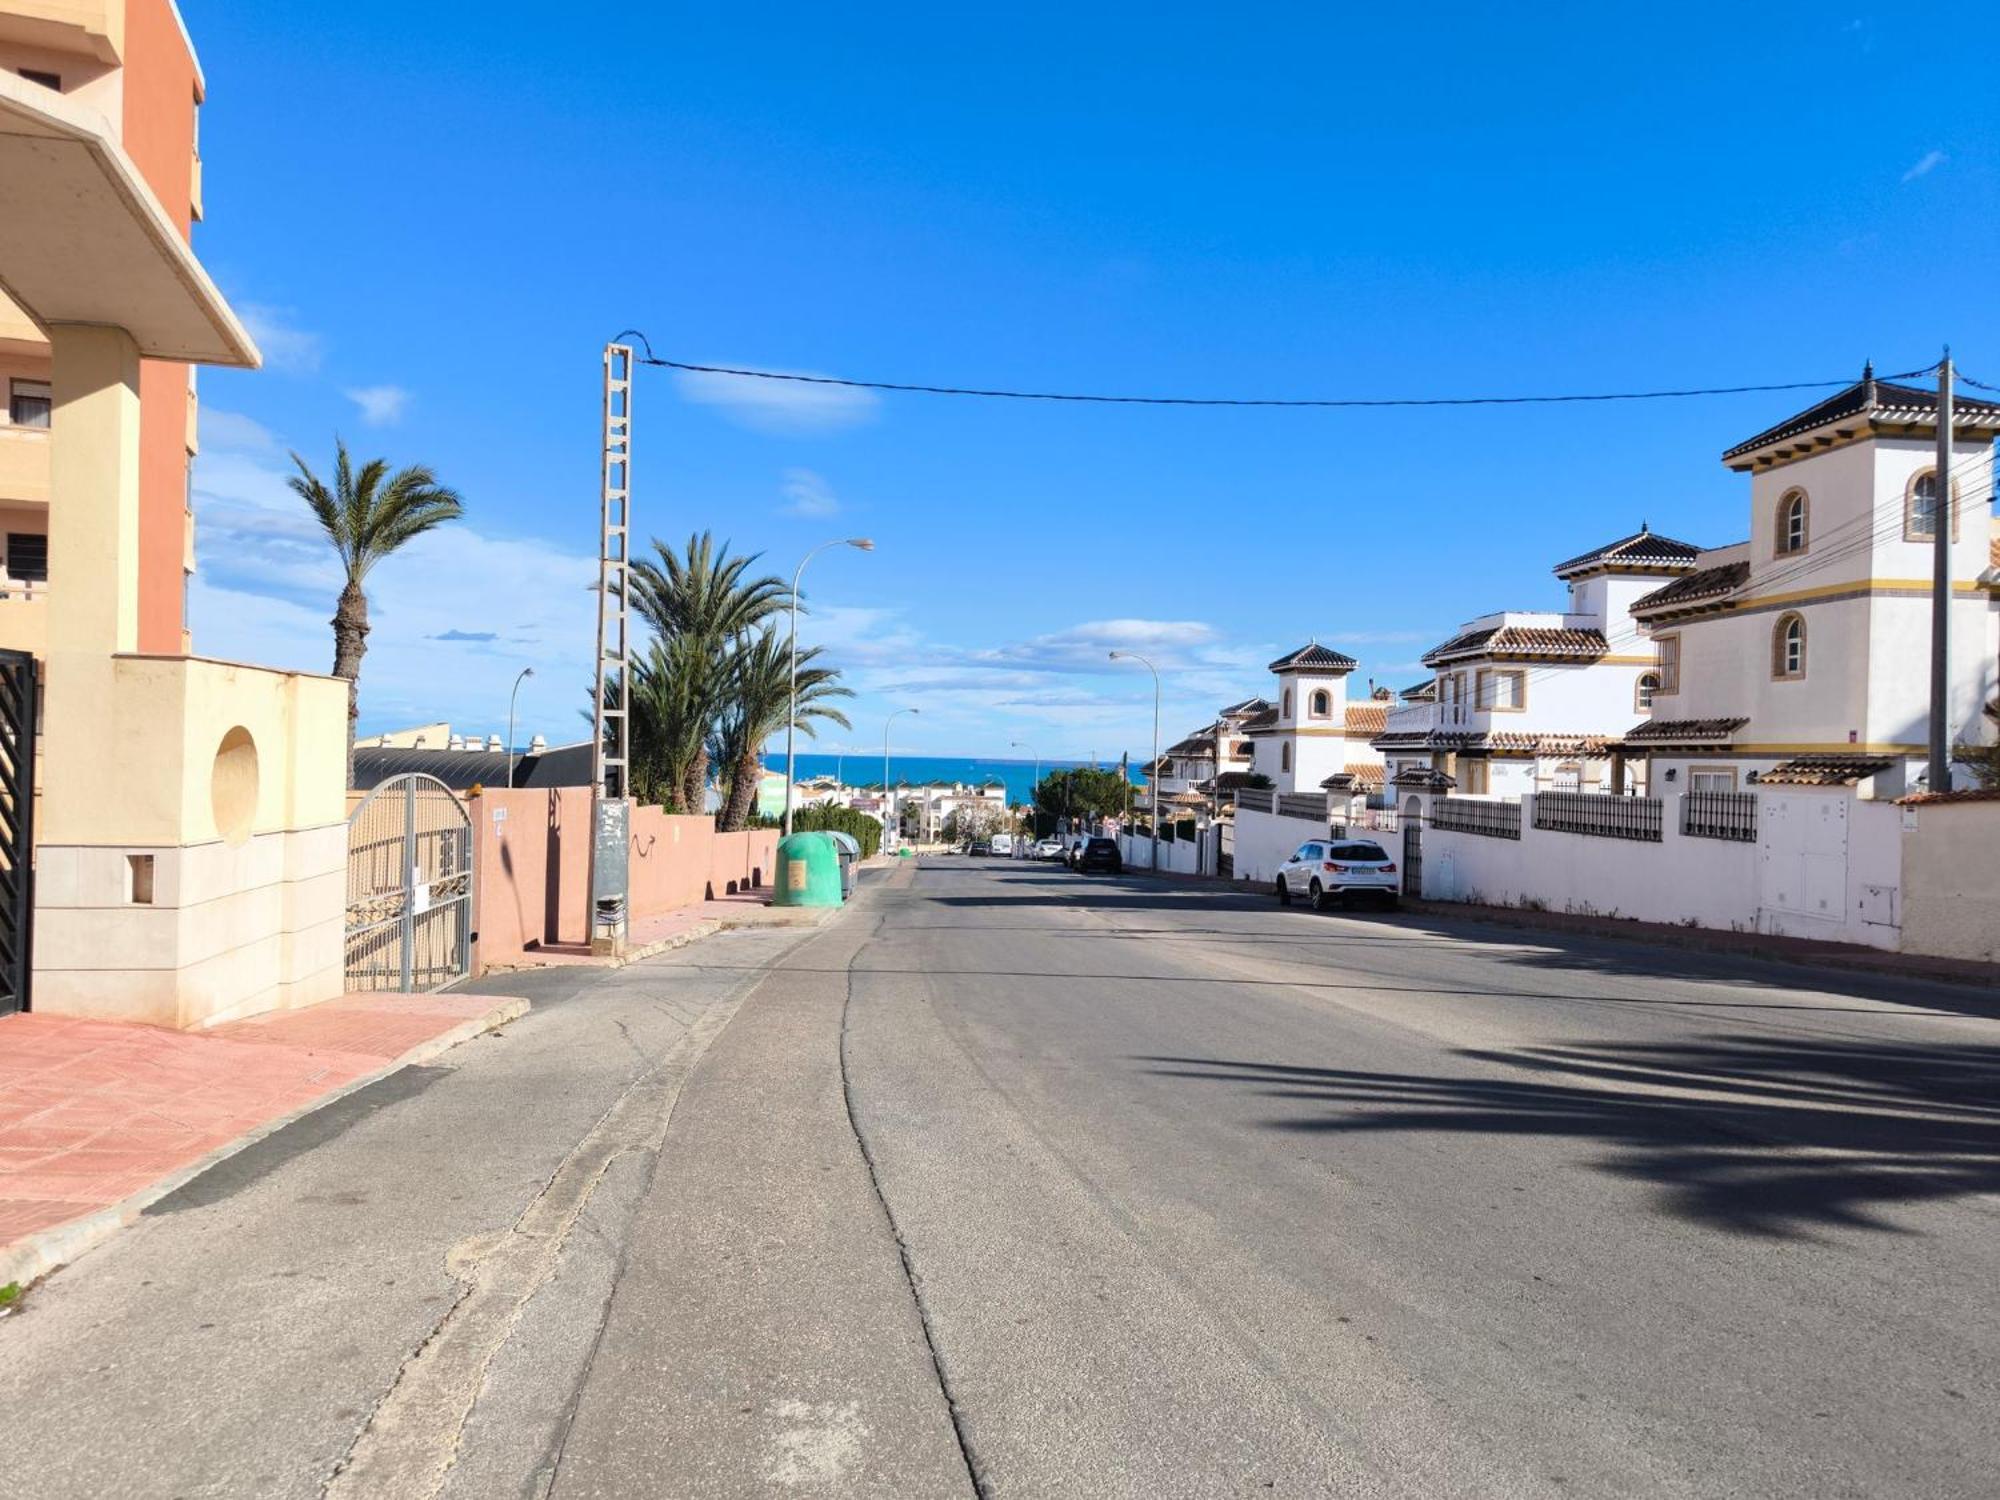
x=862, y=827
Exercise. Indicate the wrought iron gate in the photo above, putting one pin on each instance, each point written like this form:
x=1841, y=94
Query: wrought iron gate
x=409, y=887
x=1413, y=850
x=17, y=828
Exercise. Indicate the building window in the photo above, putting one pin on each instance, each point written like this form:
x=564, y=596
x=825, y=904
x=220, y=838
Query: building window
x=1788, y=646
x=1569, y=776
x=1792, y=513
x=1284, y=757
x=1502, y=692
x=27, y=557
x=1723, y=780
x=1670, y=665
x=1649, y=685
x=1288, y=703
x=1920, y=509
x=30, y=403
x=1321, y=706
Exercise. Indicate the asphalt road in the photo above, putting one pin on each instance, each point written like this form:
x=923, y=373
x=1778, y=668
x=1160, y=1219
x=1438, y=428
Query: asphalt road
x=1014, y=1182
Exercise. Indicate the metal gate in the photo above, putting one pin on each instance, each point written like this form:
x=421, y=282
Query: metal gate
x=17, y=828
x=1413, y=849
x=409, y=887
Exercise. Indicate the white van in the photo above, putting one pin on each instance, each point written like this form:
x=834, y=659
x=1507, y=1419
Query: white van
x=1003, y=845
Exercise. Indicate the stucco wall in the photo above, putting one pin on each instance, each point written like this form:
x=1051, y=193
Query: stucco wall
x=1951, y=880
x=1264, y=841
x=532, y=848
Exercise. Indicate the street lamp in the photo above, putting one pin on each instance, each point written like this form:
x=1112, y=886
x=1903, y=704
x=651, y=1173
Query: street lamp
x=791, y=719
x=1152, y=770
x=525, y=672
x=888, y=802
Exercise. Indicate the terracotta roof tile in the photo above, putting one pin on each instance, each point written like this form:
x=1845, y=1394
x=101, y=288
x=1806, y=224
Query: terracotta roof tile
x=1367, y=718
x=1684, y=731
x=1873, y=400
x=1313, y=654
x=1824, y=770
x=1508, y=642
x=1642, y=549
x=1710, y=585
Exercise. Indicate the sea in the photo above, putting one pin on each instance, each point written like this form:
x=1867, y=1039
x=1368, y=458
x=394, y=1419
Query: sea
x=863, y=769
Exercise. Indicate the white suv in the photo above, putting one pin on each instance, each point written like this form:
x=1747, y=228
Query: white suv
x=1325, y=870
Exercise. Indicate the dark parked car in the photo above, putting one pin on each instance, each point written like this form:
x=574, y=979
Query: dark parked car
x=981, y=846
x=1100, y=854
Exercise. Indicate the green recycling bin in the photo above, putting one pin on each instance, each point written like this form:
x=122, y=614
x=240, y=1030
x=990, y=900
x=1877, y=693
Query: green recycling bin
x=808, y=871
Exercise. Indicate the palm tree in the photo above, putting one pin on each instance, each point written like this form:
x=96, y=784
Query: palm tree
x=367, y=515
x=699, y=603
x=760, y=690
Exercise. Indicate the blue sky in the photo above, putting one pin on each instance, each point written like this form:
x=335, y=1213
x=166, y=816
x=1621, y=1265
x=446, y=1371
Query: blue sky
x=434, y=224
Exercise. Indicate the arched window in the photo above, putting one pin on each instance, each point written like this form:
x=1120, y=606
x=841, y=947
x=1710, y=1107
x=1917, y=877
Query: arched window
x=1284, y=757
x=1920, y=509
x=1288, y=703
x=1788, y=646
x=1792, y=518
x=1649, y=684
x=1322, y=703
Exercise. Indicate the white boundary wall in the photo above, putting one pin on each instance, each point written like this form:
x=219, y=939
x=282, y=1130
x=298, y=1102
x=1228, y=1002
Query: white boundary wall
x=1265, y=840
x=1815, y=871
x=1177, y=856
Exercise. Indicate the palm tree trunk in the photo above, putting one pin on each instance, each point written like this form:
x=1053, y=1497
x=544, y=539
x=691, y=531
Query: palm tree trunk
x=350, y=644
x=696, y=784
x=743, y=786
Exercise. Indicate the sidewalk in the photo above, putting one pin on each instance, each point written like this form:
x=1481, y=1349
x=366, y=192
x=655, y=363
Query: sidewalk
x=99, y=1119
x=673, y=929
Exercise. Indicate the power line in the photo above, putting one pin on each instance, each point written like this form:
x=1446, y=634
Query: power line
x=1346, y=402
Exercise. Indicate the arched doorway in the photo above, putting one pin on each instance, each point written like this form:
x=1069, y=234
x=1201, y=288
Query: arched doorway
x=409, y=887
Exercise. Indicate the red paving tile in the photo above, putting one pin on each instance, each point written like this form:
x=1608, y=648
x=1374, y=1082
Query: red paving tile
x=93, y=1111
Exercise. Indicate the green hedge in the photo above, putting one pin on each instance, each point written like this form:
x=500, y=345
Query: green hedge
x=865, y=829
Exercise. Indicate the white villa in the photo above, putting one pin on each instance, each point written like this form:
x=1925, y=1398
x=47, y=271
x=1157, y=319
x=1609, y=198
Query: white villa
x=1312, y=734
x=1527, y=701
x=1213, y=760
x=1800, y=657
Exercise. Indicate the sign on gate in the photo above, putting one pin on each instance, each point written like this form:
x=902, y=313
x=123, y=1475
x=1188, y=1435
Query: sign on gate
x=409, y=887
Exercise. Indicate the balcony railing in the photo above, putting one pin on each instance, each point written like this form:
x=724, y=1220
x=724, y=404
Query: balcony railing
x=1600, y=815
x=1493, y=820
x=1720, y=815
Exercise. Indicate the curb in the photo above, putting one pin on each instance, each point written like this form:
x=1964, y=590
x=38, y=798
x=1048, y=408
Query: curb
x=28, y=1260
x=707, y=927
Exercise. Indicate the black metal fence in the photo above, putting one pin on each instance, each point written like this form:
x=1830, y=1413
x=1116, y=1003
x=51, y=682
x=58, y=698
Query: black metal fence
x=1720, y=815
x=1599, y=814
x=1310, y=805
x=1493, y=820
x=1257, y=799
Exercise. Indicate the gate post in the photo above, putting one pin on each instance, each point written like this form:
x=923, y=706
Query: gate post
x=409, y=871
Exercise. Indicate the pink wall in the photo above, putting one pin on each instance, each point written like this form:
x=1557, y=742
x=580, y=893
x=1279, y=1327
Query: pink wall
x=534, y=866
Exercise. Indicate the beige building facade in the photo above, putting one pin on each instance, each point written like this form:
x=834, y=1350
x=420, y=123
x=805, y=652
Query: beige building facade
x=190, y=845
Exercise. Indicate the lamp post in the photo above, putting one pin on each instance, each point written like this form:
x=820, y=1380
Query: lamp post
x=791, y=719
x=525, y=672
x=888, y=802
x=1153, y=769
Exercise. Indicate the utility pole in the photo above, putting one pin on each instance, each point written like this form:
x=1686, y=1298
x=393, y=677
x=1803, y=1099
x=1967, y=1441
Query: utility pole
x=610, y=781
x=1942, y=518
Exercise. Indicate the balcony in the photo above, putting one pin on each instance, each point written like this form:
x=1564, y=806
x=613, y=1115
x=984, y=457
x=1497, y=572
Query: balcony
x=89, y=28
x=24, y=465
x=24, y=617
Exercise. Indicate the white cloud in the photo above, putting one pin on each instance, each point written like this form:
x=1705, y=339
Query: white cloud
x=286, y=347
x=454, y=614
x=1929, y=162
x=778, y=406
x=232, y=432
x=381, y=405
x=808, y=494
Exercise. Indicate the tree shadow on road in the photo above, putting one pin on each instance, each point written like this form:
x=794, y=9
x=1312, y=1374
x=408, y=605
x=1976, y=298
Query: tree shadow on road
x=1748, y=1134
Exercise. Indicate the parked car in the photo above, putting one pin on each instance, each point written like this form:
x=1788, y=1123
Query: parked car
x=1003, y=845
x=1100, y=854
x=1324, y=871
x=1049, y=849
x=1075, y=850
x=981, y=846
